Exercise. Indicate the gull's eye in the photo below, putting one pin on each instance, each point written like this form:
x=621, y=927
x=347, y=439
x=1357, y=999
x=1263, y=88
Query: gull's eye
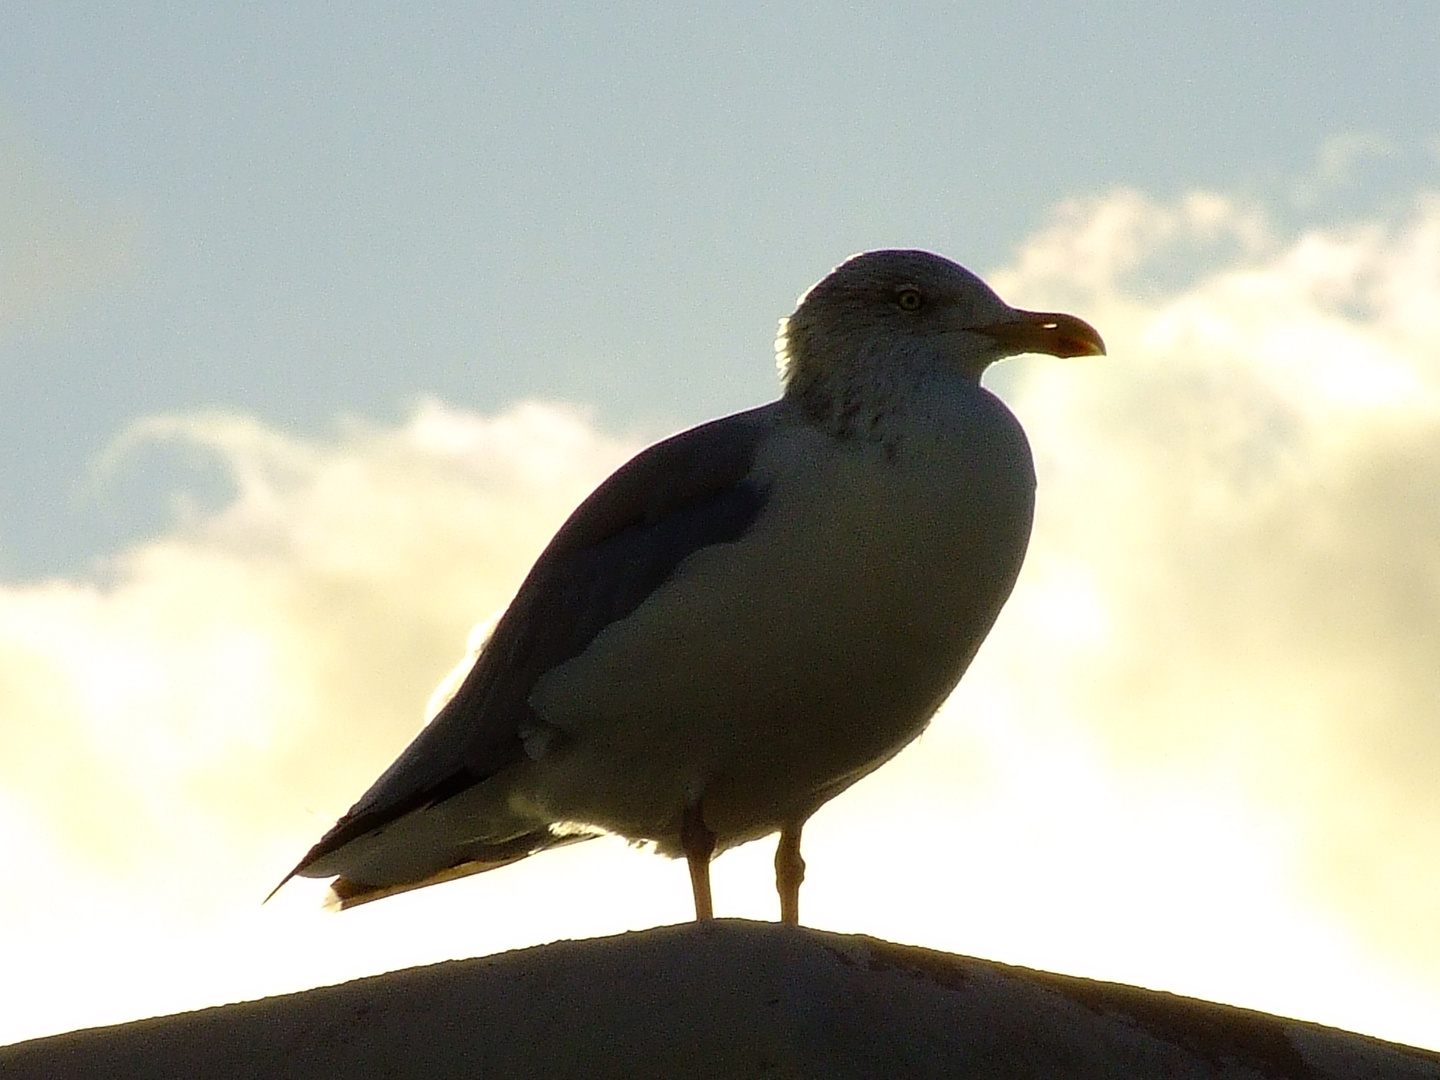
x=909, y=298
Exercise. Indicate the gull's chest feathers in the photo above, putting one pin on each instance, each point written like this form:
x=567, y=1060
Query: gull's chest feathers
x=767, y=637
x=931, y=530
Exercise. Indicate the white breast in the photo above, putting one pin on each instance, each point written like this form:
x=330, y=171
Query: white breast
x=769, y=673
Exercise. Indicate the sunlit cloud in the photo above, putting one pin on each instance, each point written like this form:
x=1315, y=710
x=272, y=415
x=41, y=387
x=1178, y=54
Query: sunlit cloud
x=1249, y=492
x=263, y=659
x=1198, y=751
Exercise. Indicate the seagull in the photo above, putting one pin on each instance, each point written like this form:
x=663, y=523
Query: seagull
x=747, y=617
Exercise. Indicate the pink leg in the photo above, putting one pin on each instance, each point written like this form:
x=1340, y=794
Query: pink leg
x=698, y=843
x=789, y=872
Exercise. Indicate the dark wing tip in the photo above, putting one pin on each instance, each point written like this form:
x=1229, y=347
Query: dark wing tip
x=283, y=882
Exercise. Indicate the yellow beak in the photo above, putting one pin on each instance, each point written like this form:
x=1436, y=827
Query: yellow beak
x=1046, y=332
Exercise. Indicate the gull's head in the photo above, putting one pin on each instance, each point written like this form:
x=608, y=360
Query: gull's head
x=886, y=318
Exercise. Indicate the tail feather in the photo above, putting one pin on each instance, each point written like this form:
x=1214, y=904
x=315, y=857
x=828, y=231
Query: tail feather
x=346, y=893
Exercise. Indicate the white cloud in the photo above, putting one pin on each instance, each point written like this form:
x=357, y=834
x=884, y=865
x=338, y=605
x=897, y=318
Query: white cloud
x=1250, y=486
x=273, y=656
x=1198, y=751
x=1341, y=158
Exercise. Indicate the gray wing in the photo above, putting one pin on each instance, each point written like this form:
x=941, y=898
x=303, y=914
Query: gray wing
x=624, y=541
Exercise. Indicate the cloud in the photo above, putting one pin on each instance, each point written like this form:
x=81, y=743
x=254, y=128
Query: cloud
x=1340, y=163
x=274, y=655
x=1237, y=551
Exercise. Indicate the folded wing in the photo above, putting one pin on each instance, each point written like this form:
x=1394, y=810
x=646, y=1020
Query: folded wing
x=682, y=495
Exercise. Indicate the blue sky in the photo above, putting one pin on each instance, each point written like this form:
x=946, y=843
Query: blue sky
x=315, y=323
x=336, y=209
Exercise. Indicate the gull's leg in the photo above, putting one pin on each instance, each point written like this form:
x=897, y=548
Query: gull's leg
x=698, y=843
x=789, y=872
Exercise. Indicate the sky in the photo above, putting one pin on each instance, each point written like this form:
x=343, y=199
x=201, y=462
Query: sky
x=315, y=324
